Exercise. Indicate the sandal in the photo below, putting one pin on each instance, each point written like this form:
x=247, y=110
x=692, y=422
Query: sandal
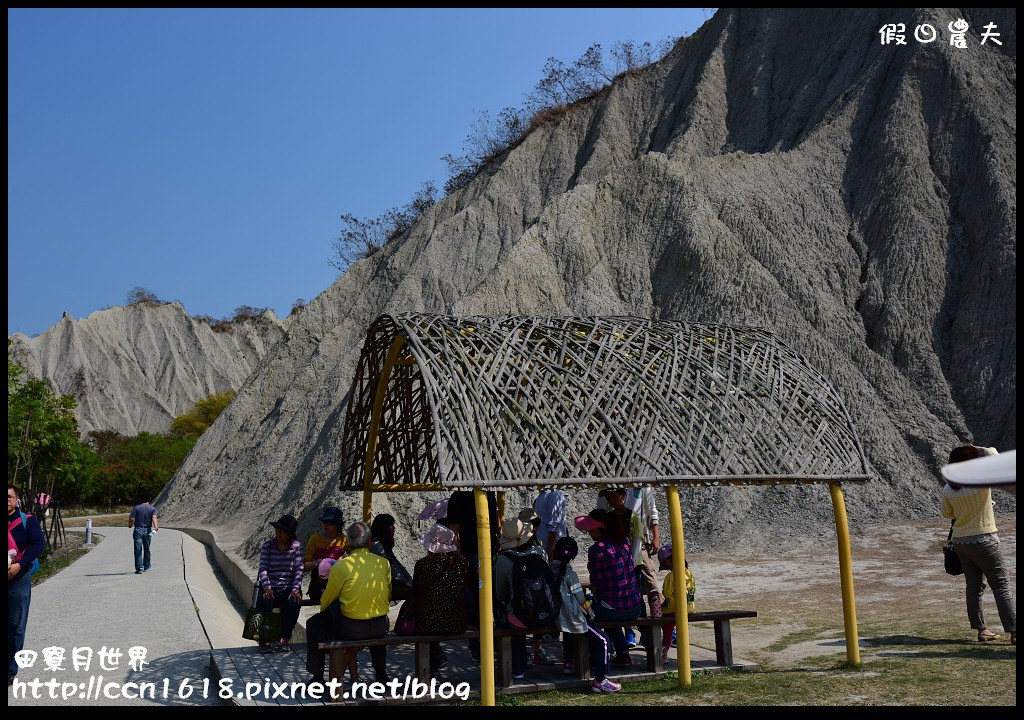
x=986, y=635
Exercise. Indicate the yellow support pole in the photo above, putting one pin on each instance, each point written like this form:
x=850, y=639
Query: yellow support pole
x=371, y=438
x=846, y=575
x=483, y=540
x=675, y=515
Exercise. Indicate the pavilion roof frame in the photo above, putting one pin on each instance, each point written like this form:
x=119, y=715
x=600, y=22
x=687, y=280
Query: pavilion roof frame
x=443, y=403
x=503, y=402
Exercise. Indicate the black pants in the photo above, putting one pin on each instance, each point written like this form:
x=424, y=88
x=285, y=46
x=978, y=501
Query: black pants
x=332, y=625
x=289, y=610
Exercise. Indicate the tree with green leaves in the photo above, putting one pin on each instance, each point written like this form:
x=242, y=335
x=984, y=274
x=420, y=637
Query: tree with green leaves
x=200, y=416
x=44, y=454
x=135, y=466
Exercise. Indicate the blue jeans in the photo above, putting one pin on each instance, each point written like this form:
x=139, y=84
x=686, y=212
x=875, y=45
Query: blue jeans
x=141, y=537
x=19, y=595
x=618, y=638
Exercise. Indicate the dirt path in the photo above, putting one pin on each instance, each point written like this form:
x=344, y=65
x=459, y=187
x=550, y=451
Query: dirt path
x=899, y=584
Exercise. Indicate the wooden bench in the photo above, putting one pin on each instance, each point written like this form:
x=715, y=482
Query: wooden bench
x=723, y=641
x=723, y=634
x=336, y=650
x=503, y=644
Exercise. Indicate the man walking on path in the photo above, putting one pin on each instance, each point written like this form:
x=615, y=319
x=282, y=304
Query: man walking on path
x=144, y=520
x=24, y=533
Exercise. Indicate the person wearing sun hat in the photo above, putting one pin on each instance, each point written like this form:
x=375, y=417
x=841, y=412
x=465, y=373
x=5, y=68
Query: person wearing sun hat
x=514, y=543
x=613, y=581
x=329, y=544
x=439, y=583
x=280, y=577
x=669, y=592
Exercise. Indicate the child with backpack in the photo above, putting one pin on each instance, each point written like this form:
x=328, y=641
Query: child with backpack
x=669, y=591
x=574, y=618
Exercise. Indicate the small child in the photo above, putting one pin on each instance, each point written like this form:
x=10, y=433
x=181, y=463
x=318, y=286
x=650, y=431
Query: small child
x=574, y=618
x=668, y=593
x=527, y=515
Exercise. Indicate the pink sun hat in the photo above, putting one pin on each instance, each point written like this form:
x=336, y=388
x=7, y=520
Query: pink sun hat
x=324, y=568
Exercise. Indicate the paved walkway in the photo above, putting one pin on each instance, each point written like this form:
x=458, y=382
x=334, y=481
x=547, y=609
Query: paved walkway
x=179, y=611
x=99, y=602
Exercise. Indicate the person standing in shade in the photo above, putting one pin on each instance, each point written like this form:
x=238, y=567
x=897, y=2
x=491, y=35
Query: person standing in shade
x=550, y=508
x=144, y=521
x=24, y=533
x=639, y=514
x=977, y=545
x=462, y=519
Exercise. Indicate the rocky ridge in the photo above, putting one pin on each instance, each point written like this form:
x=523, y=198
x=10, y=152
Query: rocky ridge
x=779, y=168
x=135, y=368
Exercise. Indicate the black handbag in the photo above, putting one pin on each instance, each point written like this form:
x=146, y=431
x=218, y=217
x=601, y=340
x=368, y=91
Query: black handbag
x=261, y=626
x=950, y=560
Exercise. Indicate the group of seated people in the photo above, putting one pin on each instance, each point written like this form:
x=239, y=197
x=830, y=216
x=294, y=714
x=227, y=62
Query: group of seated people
x=356, y=577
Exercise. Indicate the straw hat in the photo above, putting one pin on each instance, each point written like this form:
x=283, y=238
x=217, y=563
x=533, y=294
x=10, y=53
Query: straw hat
x=513, y=533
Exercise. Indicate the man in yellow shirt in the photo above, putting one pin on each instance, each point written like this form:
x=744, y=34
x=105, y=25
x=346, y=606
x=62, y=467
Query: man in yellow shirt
x=354, y=605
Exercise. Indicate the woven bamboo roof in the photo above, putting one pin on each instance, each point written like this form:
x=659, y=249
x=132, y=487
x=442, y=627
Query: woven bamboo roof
x=501, y=402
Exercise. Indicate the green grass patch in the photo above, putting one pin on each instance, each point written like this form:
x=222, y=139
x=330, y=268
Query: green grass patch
x=794, y=638
x=918, y=666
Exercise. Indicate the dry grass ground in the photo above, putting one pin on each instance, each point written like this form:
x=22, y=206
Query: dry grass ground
x=119, y=519
x=917, y=647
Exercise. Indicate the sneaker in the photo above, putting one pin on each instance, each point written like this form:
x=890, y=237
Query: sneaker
x=623, y=660
x=542, y=658
x=605, y=686
x=631, y=639
x=518, y=677
x=138, y=572
x=569, y=669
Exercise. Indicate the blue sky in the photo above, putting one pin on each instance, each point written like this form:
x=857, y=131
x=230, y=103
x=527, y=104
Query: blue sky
x=207, y=155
